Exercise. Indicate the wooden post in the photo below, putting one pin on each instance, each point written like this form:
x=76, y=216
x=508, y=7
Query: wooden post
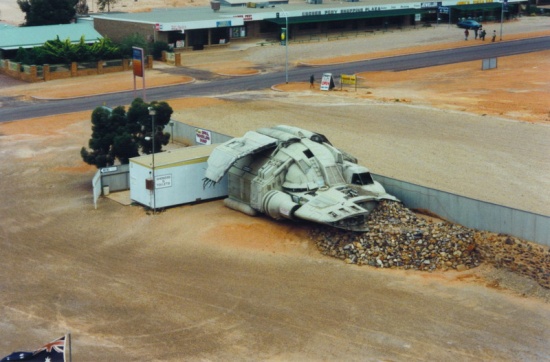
x=46, y=71
x=33, y=73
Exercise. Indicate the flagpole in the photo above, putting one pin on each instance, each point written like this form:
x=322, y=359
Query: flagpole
x=70, y=349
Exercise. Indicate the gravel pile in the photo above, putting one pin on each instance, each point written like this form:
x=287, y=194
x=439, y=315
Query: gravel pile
x=398, y=238
x=516, y=255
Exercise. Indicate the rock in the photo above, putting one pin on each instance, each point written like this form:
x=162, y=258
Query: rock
x=398, y=238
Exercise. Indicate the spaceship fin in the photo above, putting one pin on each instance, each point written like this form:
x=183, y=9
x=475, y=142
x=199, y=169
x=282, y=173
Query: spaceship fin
x=226, y=154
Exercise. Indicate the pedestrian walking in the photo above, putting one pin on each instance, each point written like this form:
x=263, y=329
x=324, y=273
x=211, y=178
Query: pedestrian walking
x=466, y=33
x=311, y=81
x=475, y=33
x=482, y=35
x=494, y=35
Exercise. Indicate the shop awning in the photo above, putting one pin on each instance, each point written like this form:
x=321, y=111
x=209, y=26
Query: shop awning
x=347, y=16
x=471, y=7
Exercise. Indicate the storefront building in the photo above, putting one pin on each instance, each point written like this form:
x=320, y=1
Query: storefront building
x=234, y=20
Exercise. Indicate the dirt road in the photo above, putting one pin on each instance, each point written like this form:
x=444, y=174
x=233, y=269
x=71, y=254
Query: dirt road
x=205, y=283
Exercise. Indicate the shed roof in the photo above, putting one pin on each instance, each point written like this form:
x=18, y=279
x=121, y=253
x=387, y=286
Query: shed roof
x=33, y=36
x=177, y=157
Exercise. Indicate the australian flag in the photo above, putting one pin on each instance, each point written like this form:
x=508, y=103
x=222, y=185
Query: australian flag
x=50, y=352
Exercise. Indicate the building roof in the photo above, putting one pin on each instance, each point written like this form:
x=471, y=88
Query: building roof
x=177, y=157
x=33, y=36
x=4, y=26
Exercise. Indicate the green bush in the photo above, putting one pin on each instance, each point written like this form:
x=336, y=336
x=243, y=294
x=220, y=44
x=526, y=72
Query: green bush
x=158, y=48
x=134, y=40
x=64, y=52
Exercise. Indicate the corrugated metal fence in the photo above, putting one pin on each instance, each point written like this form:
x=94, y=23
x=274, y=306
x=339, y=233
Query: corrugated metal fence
x=116, y=177
x=189, y=135
x=465, y=211
x=469, y=212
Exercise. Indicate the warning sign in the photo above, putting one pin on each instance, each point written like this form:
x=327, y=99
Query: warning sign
x=203, y=137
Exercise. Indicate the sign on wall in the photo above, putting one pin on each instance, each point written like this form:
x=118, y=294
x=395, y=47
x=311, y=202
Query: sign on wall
x=163, y=181
x=203, y=136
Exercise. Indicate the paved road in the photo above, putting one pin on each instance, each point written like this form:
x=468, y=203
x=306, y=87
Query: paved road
x=11, y=111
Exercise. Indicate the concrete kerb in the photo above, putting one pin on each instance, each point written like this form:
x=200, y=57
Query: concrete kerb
x=239, y=75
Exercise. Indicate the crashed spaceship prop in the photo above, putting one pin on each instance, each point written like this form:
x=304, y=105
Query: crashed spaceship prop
x=290, y=173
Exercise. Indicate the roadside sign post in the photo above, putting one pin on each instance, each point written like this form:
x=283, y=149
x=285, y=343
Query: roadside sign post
x=350, y=79
x=327, y=82
x=138, y=65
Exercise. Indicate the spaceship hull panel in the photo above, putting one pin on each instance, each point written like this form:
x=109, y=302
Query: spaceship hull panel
x=289, y=173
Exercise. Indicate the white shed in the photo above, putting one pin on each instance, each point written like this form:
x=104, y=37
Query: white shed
x=178, y=178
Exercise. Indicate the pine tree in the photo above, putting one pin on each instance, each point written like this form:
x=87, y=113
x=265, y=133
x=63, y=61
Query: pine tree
x=120, y=135
x=48, y=12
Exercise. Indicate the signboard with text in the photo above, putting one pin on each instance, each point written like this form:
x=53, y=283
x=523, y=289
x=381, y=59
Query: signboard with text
x=203, y=137
x=138, y=61
x=163, y=181
x=327, y=83
x=350, y=79
x=138, y=65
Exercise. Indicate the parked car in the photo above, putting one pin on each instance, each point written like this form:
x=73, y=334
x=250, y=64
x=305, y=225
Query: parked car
x=468, y=24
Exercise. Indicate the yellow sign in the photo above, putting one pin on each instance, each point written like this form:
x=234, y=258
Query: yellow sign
x=349, y=79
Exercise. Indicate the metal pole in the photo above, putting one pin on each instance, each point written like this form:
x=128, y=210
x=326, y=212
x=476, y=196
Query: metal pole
x=286, y=41
x=172, y=130
x=152, y=113
x=154, y=180
x=68, y=339
x=501, y=17
x=286, y=46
